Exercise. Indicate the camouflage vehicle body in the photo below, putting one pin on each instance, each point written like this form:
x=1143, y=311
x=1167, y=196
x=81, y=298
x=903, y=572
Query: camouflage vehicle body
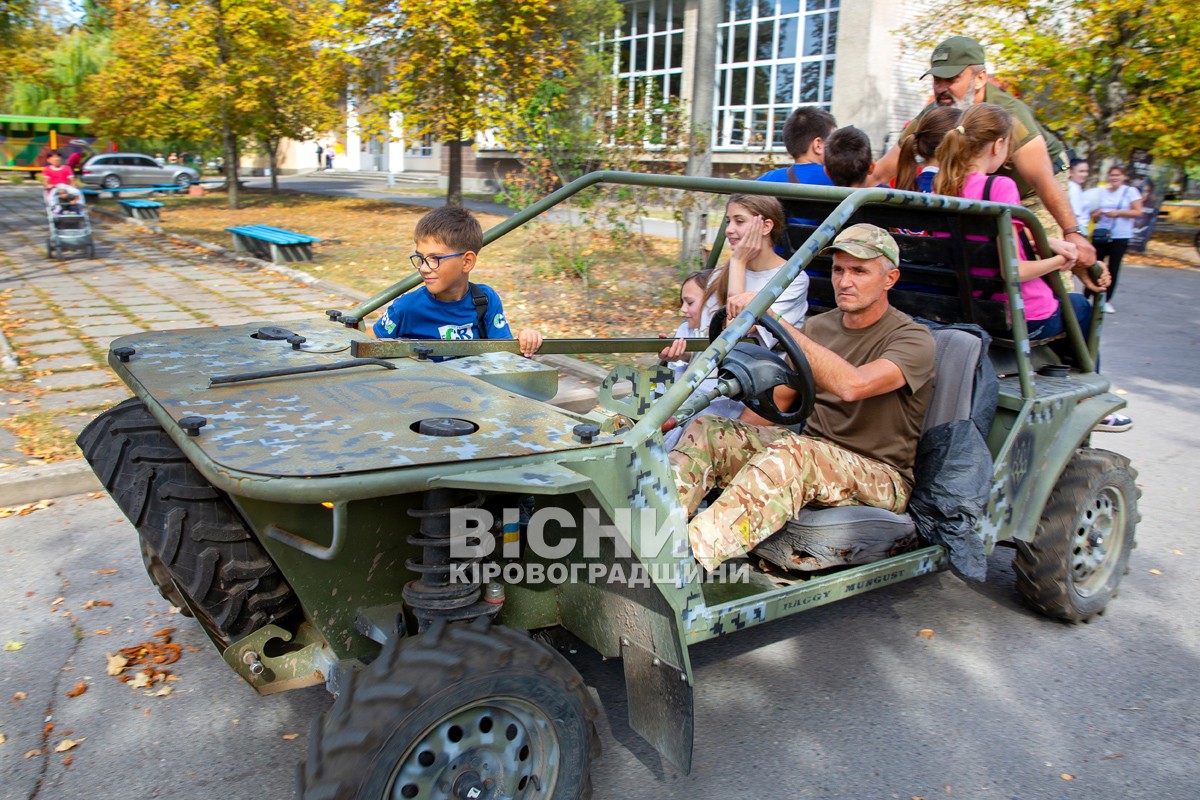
x=327, y=470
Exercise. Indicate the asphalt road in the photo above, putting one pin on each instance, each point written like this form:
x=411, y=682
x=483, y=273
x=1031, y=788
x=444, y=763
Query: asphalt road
x=845, y=701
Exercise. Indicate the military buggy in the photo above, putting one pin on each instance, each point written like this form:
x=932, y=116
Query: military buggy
x=301, y=492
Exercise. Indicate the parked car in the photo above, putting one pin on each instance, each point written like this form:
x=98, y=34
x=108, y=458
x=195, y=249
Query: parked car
x=113, y=170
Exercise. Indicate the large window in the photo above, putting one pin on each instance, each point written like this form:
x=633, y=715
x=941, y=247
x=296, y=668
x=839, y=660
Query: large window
x=648, y=48
x=774, y=55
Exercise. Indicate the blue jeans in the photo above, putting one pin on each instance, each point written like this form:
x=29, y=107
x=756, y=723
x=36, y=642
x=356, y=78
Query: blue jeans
x=1053, y=325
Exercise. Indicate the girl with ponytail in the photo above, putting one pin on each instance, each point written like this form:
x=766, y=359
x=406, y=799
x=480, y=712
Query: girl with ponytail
x=971, y=151
x=923, y=140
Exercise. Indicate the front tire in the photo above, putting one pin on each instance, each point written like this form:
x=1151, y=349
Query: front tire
x=183, y=180
x=457, y=709
x=111, y=182
x=188, y=525
x=1080, y=552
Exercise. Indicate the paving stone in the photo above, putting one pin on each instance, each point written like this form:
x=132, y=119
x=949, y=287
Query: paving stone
x=87, y=322
x=21, y=339
x=164, y=316
x=86, y=398
x=43, y=325
x=8, y=448
x=56, y=348
x=172, y=325
x=74, y=380
x=75, y=423
x=60, y=363
x=108, y=331
x=40, y=312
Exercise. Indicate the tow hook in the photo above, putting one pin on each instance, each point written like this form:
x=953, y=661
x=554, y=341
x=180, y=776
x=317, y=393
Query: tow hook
x=250, y=659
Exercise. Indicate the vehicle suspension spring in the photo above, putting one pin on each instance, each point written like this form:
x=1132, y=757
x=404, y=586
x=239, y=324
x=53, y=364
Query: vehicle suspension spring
x=449, y=588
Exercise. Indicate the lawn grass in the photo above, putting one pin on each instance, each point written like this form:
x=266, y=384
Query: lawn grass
x=632, y=287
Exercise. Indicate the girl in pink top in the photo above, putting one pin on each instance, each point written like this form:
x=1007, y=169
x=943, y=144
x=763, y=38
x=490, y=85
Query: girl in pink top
x=56, y=173
x=968, y=156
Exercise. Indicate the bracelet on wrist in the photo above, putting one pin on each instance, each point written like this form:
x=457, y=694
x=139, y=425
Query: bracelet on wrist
x=1069, y=231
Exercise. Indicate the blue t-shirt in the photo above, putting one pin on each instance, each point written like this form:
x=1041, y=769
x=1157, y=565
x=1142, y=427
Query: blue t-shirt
x=420, y=315
x=925, y=179
x=811, y=174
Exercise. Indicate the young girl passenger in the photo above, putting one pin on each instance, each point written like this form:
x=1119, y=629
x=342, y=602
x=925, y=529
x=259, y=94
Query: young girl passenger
x=923, y=140
x=753, y=225
x=968, y=155
x=691, y=300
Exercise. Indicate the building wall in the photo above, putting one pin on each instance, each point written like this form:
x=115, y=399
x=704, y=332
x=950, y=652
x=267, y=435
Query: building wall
x=878, y=86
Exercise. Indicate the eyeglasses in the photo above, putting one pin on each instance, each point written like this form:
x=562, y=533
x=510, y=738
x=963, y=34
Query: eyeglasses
x=433, y=262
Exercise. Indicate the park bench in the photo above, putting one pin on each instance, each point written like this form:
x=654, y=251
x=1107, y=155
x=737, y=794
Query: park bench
x=143, y=210
x=274, y=244
x=98, y=192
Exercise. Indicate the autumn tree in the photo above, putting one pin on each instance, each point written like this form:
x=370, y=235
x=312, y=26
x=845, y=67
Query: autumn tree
x=1108, y=74
x=234, y=70
x=456, y=67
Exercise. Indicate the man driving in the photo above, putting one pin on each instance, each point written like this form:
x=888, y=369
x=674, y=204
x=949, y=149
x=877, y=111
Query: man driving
x=873, y=367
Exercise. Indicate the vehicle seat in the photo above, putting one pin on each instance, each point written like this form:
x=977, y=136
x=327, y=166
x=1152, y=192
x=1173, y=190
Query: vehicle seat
x=819, y=538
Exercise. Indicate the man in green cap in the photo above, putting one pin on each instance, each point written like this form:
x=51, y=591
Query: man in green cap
x=873, y=367
x=1038, y=160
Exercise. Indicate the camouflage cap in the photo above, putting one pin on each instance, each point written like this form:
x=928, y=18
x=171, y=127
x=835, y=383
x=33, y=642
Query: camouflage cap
x=953, y=56
x=866, y=241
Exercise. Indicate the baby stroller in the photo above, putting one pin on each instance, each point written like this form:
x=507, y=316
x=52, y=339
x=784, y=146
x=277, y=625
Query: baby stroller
x=70, y=225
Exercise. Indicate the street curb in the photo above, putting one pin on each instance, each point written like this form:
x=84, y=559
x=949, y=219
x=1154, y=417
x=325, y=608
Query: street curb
x=22, y=485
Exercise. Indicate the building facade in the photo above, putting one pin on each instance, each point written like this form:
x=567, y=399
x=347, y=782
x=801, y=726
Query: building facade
x=772, y=56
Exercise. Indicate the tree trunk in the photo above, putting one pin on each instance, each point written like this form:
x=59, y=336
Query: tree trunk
x=230, y=167
x=699, y=163
x=273, y=160
x=454, y=179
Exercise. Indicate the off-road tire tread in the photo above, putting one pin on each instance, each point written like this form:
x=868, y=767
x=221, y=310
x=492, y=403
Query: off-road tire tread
x=189, y=524
x=393, y=687
x=1042, y=565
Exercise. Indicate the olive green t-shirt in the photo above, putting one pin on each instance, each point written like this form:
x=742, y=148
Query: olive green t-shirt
x=885, y=427
x=1025, y=129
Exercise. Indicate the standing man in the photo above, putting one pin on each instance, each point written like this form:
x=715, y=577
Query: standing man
x=873, y=367
x=320, y=156
x=1038, y=162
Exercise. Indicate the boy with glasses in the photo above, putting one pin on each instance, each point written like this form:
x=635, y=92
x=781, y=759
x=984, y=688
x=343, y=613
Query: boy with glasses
x=449, y=306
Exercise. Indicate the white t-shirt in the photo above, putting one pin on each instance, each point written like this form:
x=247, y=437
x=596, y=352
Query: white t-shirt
x=1120, y=200
x=792, y=305
x=1079, y=206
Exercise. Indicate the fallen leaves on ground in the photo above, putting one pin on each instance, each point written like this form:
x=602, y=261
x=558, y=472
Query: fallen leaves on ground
x=926, y=632
x=96, y=603
x=12, y=646
x=107, y=571
x=291, y=736
x=150, y=655
x=17, y=697
x=80, y=688
x=1156, y=572
x=3, y=738
x=1066, y=776
x=28, y=508
x=68, y=744
x=32, y=753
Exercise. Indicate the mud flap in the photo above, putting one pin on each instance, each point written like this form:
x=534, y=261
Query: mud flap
x=660, y=703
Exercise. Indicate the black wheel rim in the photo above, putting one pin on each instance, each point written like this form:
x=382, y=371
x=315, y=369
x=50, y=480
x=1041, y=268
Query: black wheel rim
x=499, y=747
x=1099, y=541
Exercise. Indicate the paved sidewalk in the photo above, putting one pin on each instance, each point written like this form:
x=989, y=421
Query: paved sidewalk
x=59, y=319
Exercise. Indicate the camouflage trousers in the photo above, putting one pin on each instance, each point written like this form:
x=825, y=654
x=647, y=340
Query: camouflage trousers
x=768, y=474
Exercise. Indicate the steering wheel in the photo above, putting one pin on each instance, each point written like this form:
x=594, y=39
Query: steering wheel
x=758, y=371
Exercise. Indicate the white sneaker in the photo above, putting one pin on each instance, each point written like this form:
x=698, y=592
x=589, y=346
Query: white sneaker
x=1108, y=308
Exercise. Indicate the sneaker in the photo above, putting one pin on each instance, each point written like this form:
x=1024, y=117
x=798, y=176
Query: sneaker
x=1108, y=308
x=1115, y=423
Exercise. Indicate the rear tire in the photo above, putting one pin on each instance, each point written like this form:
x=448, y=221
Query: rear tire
x=1080, y=552
x=187, y=524
x=456, y=710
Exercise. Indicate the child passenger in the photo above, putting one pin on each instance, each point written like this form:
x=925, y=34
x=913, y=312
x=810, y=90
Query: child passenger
x=691, y=300
x=449, y=306
x=970, y=153
x=922, y=141
x=753, y=224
